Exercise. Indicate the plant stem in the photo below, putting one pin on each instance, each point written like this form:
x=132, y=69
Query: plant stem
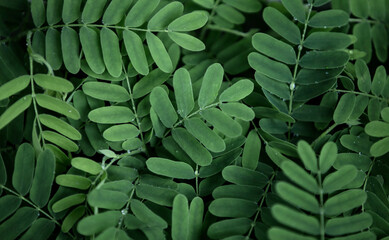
x=263, y=198
x=360, y=93
x=293, y=83
x=322, y=228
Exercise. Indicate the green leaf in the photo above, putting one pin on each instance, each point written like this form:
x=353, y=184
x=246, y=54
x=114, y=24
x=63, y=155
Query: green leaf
x=18, y=223
x=275, y=233
x=38, y=12
x=363, y=76
x=106, y=91
x=98, y=223
x=53, y=83
x=377, y=129
x=43, y=178
x=183, y=91
x=307, y=156
x=119, y=133
x=324, y=59
x=274, y=48
x=146, y=215
x=344, y=202
x=169, y=168
x=230, y=14
x=107, y=199
x=135, y=50
x=111, y=52
x=272, y=69
x=60, y=126
x=295, y=219
x=379, y=36
x=192, y=147
x=328, y=156
x=93, y=10
x=159, y=53
x=205, y=3
x=22, y=176
x=248, y=6
x=329, y=40
x=380, y=147
x=211, y=84
x=275, y=87
x=68, y=202
x=111, y=115
x=244, y=176
x=222, y=122
x=162, y=105
x=379, y=80
x=42, y=228
x=15, y=110
x=3, y=174
x=344, y=108
x=86, y=165
x=347, y=225
x=166, y=15
x=187, y=41
x=205, y=135
x=14, y=86
x=297, y=197
x=180, y=218
x=251, y=151
x=329, y=19
x=363, y=33
x=113, y=233
x=71, y=11
x=57, y=105
x=60, y=141
x=237, y=91
x=70, y=45
x=91, y=46
x=54, y=11
x=238, y=110
x=189, y=22
x=72, y=218
x=140, y=13
x=299, y=176
x=282, y=25
x=196, y=212
x=145, y=85
x=116, y=11
x=296, y=8
x=73, y=181
x=53, y=48
x=359, y=8
x=229, y=227
x=232, y=207
x=336, y=180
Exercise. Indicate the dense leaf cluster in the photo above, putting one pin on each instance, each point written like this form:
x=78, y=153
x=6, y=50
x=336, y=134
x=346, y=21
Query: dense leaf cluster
x=194, y=119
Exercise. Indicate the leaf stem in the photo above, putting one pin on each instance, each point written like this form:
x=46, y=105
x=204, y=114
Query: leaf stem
x=360, y=93
x=322, y=227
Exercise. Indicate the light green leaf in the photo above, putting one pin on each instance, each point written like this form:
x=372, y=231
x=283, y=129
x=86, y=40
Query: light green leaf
x=187, y=41
x=111, y=52
x=329, y=19
x=72, y=218
x=91, y=46
x=229, y=227
x=237, y=91
x=53, y=83
x=282, y=25
x=70, y=48
x=377, y=129
x=243, y=176
x=107, y=199
x=329, y=40
x=53, y=48
x=15, y=110
x=344, y=108
x=98, y=223
x=380, y=147
x=344, y=202
x=230, y=14
x=86, y=165
x=57, y=105
x=135, y=49
x=159, y=53
x=248, y=6
x=272, y=69
x=60, y=141
x=277, y=88
x=205, y=135
x=162, y=105
x=359, y=8
x=68, y=202
x=43, y=178
x=111, y=115
x=166, y=15
x=180, y=218
x=120, y=132
x=140, y=12
x=192, y=147
x=183, y=91
x=146, y=84
x=222, y=122
x=347, y=225
x=189, y=22
x=93, y=10
x=328, y=156
x=296, y=8
x=60, y=126
x=14, y=86
x=73, y=181
x=385, y=114
x=106, y=91
x=324, y=59
x=238, y=110
x=211, y=84
x=22, y=176
x=116, y=11
x=307, y=156
x=379, y=80
x=336, y=180
x=232, y=207
x=299, y=176
x=169, y=168
x=251, y=151
x=38, y=12
x=143, y=213
x=71, y=11
x=363, y=76
x=362, y=31
x=54, y=11
x=196, y=212
x=276, y=233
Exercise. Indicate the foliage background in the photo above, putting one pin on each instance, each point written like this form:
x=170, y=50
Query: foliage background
x=194, y=119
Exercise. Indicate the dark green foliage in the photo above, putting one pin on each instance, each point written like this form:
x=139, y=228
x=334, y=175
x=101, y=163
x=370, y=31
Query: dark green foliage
x=194, y=119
